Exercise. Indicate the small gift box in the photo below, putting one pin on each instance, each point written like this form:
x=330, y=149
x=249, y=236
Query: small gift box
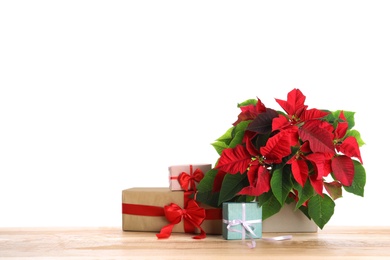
x=241, y=220
x=186, y=177
x=164, y=211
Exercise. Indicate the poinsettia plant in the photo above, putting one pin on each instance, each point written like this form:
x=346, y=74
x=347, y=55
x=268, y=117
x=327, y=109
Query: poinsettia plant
x=276, y=157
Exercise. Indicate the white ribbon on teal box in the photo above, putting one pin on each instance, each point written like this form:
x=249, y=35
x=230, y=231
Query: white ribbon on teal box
x=241, y=220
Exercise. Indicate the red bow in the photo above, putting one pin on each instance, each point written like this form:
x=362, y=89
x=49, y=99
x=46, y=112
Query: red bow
x=193, y=217
x=187, y=181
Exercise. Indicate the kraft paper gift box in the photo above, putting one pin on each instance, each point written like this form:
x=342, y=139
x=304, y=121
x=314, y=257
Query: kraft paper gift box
x=141, y=220
x=241, y=220
x=186, y=177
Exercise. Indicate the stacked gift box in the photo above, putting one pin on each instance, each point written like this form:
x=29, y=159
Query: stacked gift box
x=174, y=208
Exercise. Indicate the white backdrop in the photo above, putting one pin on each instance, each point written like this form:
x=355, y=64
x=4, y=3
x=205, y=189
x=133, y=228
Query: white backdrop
x=101, y=96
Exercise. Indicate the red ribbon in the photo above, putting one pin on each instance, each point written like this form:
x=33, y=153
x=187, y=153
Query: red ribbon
x=142, y=210
x=187, y=181
x=193, y=216
x=155, y=211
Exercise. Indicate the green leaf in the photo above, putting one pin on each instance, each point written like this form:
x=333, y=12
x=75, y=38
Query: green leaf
x=263, y=198
x=206, y=184
x=349, y=115
x=244, y=198
x=238, y=133
x=289, y=200
x=240, y=127
x=205, y=192
x=270, y=207
x=321, y=209
x=237, y=139
x=249, y=198
x=231, y=185
x=281, y=184
x=227, y=136
x=251, y=101
x=304, y=193
x=359, y=180
x=219, y=146
x=305, y=211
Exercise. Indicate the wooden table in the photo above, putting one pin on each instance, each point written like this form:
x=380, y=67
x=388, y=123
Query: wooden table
x=113, y=243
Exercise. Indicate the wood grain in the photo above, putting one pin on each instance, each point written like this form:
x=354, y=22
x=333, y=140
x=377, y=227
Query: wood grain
x=113, y=243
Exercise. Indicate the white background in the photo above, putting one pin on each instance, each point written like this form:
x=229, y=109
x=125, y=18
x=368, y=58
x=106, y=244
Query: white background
x=101, y=96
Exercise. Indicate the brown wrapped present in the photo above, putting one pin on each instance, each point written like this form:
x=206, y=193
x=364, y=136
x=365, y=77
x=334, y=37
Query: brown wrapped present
x=145, y=209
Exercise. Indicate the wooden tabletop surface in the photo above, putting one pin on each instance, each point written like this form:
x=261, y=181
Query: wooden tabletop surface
x=112, y=243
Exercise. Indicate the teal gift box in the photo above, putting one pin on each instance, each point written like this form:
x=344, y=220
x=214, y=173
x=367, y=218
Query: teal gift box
x=241, y=220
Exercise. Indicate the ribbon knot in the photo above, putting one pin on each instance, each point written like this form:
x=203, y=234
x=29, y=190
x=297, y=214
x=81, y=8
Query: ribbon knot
x=193, y=216
x=187, y=181
x=247, y=227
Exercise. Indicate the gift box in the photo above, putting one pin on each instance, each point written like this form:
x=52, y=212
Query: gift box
x=145, y=209
x=186, y=177
x=241, y=220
